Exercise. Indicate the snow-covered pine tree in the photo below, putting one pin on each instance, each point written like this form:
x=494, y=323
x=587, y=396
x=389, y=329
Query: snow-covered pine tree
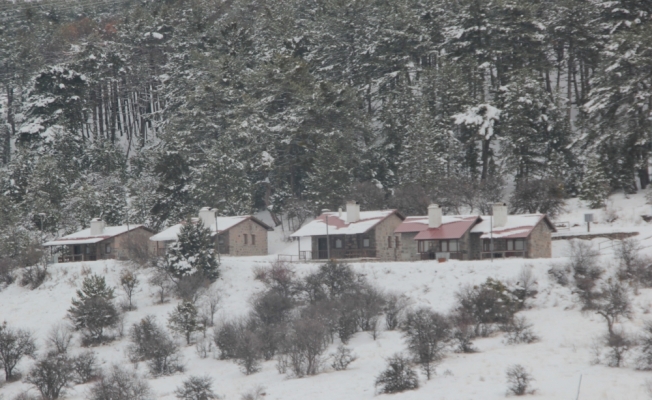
x=595, y=186
x=193, y=253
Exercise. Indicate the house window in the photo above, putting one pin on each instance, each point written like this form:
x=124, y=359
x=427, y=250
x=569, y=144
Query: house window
x=443, y=246
x=245, y=238
x=453, y=246
x=397, y=242
x=515, y=245
x=253, y=239
x=486, y=245
x=338, y=243
x=365, y=242
x=107, y=248
x=77, y=249
x=220, y=240
x=389, y=242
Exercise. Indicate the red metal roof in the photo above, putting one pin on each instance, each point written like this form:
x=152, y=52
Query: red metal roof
x=454, y=229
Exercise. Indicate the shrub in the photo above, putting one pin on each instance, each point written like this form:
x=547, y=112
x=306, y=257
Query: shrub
x=644, y=359
x=586, y=273
x=93, y=311
x=183, y=320
x=398, y=377
x=519, y=331
x=14, y=345
x=59, y=337
x=257, y=393
x=342, y=358
x=150, y=343
x=85, y=367
x=519, y=380
x=487, y=304
x=427, y=334
x=120, y=384
x=618, y=344
x=303, y=347
x=226, y=339
x=394, y=309
x=33, y=276
x=248, y=352
x=52, y=375
x=196, y=388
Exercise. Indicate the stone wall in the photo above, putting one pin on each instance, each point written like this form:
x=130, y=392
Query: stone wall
x=383, y=230
x=539, y=244
x=237, y=246
x=409, y=250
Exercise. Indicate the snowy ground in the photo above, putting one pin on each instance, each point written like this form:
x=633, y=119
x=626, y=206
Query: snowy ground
x=557, y=361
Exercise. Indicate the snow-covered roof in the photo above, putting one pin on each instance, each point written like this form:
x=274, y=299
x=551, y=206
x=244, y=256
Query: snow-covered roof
x=223, y=224
x=337, y=224
x=420, y=223
x=84, y=236
x=517, y=226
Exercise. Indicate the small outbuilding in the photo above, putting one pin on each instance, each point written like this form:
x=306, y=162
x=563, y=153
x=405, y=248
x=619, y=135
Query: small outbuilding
x=242, y=235
x=353, y=234
x=100, y=242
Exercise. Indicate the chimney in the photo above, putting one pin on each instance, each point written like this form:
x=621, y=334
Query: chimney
x=352, y=212
x=499, y=212
x=339, y=212
x=97, y=227
x=434, y=216
x=207, y=217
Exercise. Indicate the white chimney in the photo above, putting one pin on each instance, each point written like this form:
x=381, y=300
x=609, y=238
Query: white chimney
x=339, y=212
x=499, y=214
x=434, y=216
x=97, y=227
x=352, y=212
x=207, y=217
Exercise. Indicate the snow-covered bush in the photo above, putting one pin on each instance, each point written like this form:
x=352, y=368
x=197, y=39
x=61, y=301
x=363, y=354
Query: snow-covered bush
x=342, y=358
x=644, y=356
x=487, y=304
x=394, y=309
x=398, y=377
x=614, y=304
x=519, y=380
x=196, y=388
x=59, y=337
x=519, y=330
x=151, y=343
x=120, y=384
x=192, y=254
x=302, y=349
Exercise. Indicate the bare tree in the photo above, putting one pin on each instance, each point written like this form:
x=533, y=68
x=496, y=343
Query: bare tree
x=85, y=367
x=129, y=281
x=212, y=299
x=52, y=375
x=59, y=337
x=615, y=303
x=395, y=306
x=519, y=380
x=248, y=352
x=14, y=345
x=618, y=343
x=427, y=334
x=161, y=281
x=304, y=346
x=644, y=359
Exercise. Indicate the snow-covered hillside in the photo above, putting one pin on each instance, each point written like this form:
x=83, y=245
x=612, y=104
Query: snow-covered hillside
x=557, y=361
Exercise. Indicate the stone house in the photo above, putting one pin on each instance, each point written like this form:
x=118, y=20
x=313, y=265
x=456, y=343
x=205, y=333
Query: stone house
x=436, y=236
x=353, y=234
x=471, y=237
x=101, y=242
x=242, y=235
x=523, y=235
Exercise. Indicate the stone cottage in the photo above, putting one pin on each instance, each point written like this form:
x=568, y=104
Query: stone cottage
x=354, y=234
x=242, y=235
x=100, y=242
x=436, y=236
x=475, y=237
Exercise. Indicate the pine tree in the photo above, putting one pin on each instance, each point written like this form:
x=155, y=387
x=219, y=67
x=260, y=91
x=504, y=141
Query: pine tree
x=93, y=311
x=193, y=253
x=595, y=187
